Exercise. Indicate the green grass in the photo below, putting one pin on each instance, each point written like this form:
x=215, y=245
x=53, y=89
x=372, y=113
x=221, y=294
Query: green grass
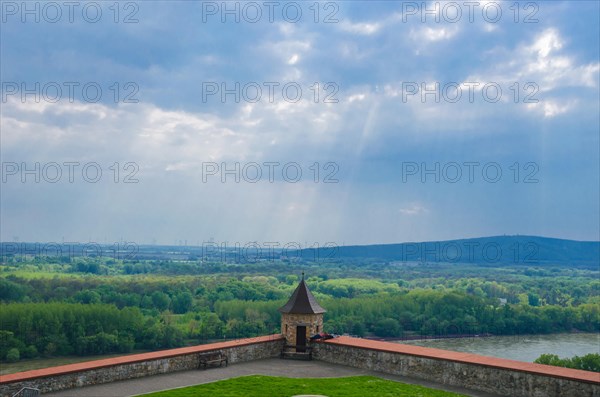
x=270, y=386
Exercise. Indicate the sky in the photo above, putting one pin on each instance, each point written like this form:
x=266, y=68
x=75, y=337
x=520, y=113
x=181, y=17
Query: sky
x=349, y=122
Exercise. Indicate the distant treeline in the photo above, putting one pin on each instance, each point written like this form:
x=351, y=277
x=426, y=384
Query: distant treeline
x=55, y=329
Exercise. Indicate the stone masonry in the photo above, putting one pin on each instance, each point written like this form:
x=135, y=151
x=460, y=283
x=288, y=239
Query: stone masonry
x=289, y=322
x=470, y=371
x=139, y=365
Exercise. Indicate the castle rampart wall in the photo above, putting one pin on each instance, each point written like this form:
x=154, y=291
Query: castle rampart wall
x=138, y=365
x=470, y=371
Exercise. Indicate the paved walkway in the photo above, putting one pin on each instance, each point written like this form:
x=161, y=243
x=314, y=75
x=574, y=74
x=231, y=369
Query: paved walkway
x=272, y=367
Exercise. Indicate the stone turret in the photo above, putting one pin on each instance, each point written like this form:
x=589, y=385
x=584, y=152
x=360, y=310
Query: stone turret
x=301, y=317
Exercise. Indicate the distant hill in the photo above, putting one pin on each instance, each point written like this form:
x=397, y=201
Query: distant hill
x=499, y=250
x=482, y=250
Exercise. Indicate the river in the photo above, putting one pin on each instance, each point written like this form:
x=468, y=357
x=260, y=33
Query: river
x=519, y=347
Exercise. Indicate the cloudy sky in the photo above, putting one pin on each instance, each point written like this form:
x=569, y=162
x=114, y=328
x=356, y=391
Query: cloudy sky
x=351, y=122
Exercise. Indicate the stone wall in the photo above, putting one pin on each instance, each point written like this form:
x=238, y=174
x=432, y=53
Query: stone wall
x=470, y=371
x=493, y=375
x=139, y=365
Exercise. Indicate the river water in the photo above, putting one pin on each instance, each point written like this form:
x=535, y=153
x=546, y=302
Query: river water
x=519, y=347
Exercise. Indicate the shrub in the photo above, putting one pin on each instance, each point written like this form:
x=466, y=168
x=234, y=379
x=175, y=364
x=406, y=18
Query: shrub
x=589, y=362
x=30, y=352
x=13, y=355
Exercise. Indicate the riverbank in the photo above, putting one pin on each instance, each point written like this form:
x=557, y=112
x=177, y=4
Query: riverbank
x=517, y=347
x=426, y=337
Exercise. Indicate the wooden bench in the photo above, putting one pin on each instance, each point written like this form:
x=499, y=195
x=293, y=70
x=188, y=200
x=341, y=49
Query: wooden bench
x=212, y=358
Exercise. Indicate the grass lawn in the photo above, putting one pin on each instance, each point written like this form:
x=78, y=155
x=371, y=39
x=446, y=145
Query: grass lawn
x=270, y=386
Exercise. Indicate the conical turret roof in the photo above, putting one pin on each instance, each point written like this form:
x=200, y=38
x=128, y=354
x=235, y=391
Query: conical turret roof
x=302, y=301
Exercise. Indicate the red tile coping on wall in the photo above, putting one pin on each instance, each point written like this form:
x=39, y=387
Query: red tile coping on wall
x=468, y=358
x=133, y=358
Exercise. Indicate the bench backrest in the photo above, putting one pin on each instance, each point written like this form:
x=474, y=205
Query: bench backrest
x=211, y=356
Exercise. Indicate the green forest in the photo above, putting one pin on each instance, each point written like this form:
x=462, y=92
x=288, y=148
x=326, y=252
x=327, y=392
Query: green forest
x=63, y=306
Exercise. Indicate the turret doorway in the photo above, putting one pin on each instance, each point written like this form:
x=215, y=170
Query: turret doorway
x=301, y=338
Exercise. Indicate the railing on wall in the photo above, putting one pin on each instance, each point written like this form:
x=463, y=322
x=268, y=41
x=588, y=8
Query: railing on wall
x=27, y=392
